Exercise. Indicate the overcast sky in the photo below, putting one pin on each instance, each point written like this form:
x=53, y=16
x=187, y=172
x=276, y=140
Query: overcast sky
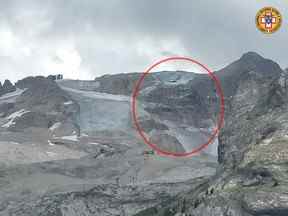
x=87, y=38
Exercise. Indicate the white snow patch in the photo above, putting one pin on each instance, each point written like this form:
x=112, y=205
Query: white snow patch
x=55, y=126
x=13, y=143
x=50, y=143
x=84, y=135
x=13, y=116
x=68, y=102
x=51, y=154
x=94, y=143
x=72, y=137
x=19, y=113
x=267, y=141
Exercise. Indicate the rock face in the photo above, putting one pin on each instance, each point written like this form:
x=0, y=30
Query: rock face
x=167, y=142
x=177, y=103
x=119, y=84
x=97, y=201
x=7, y=87
x=41, y=105
x=124, y=84
x=252, y=179
x=55, y=77
x=254, y=93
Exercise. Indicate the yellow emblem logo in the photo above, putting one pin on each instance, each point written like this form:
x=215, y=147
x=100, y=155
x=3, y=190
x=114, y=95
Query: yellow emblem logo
x=268, y=20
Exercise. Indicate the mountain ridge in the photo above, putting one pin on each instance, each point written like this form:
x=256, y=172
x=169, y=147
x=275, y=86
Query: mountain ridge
x=251, y=147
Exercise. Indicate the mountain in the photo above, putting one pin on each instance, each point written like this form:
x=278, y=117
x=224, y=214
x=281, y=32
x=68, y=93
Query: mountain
x=70, y=147
x=251, y=179
x=169, y=110
x=68, y=139
x=7, y=87
x=41, y=104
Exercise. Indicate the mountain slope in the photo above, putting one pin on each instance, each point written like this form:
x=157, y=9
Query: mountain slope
x=252, y=179
x=102, y=170
x=107, y=172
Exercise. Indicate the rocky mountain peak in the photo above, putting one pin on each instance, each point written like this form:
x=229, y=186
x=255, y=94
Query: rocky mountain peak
x=252, y=56
x=7, y=84
x=7, y=87
x=35, y=82
x=41, y=104
x=252, y=149
x=252, y=62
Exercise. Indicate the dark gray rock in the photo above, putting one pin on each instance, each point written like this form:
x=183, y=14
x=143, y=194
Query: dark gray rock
x=7, y=87
x=125, y=83
x=122, y=84
x=256, y=93
x=55, y=77
x=178, y=104
x=167, y=142
x=6, y=108
x=150, y=124
x=44, y=103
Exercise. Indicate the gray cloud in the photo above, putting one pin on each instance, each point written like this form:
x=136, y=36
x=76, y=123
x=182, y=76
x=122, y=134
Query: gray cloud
x=84, y=39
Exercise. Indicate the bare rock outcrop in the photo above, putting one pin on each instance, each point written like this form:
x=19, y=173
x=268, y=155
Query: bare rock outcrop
x=41, y=105
x=7, y=87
